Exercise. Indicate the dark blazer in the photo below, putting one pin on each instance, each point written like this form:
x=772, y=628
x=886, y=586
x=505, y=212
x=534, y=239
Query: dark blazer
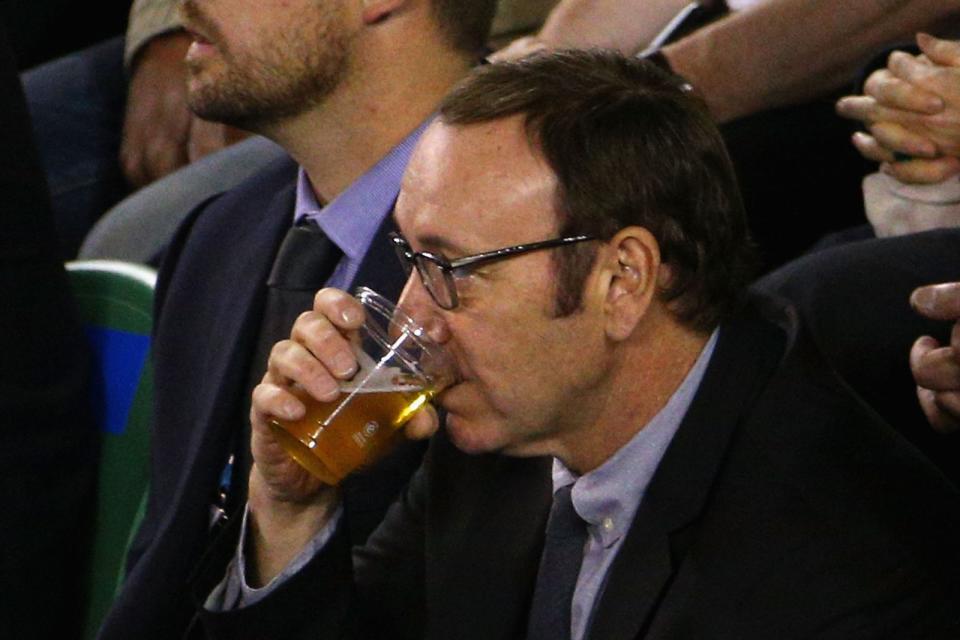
x=855, y=300
x=210, y=299
x=783, y=508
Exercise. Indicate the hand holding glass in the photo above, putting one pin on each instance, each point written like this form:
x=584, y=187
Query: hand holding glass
x=399, y=370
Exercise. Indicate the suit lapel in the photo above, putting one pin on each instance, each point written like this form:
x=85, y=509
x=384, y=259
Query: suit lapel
x=748, y=351
x=244, y=257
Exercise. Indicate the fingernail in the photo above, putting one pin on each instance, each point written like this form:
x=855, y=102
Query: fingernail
x=924, y=298
x=328, y=390
x=344, y=364
x=350, y=315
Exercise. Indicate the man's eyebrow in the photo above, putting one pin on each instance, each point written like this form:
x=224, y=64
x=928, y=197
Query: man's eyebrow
x=438, y=244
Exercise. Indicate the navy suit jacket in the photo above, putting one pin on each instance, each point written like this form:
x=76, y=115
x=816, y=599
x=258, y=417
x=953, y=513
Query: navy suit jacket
x=210, y=299
x=855, y=299
x=783, y=508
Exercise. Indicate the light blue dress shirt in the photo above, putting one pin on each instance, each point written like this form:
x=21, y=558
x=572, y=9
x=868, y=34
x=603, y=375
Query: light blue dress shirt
x=608, y=497
x=352, y=219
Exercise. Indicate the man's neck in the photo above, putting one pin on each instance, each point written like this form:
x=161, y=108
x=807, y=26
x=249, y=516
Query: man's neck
x=361, y=121
x=643, y=379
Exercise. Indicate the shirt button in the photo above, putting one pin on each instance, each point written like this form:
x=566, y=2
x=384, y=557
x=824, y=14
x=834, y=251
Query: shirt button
x=607, y=524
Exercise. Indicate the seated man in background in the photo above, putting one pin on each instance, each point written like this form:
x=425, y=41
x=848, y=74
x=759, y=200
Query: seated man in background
x=137, y=86
x=346, y=88
x=769, y=71
x=857, y=297
x=705, y=474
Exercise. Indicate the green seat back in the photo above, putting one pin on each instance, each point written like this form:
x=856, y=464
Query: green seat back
x=116, y=307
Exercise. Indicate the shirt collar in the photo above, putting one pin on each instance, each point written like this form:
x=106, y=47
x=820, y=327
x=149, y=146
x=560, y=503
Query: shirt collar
x=608, y=497
x=354, y=216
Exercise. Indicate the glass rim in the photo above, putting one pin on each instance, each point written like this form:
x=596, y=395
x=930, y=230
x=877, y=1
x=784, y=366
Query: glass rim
x=390, y=315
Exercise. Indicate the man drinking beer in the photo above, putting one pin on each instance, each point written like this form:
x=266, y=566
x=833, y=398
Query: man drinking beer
x=634, y=449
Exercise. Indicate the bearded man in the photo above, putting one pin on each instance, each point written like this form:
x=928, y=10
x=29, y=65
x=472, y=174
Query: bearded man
x=345, y=86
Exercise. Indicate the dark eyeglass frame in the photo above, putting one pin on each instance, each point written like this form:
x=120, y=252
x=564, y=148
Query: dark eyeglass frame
x=416, y=259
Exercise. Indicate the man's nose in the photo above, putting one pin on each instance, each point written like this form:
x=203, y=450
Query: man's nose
x=416, y=302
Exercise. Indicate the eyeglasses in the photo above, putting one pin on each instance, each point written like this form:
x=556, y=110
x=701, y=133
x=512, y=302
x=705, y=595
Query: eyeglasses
x=439, y=275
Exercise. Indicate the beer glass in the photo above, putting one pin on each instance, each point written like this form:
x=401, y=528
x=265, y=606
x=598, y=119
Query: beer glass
x=399, y=370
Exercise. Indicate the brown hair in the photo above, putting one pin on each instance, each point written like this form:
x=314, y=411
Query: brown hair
x=630, y=144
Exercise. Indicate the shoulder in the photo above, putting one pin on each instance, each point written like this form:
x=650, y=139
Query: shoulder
x=278, y=177
x=246, y=218
x=823, y=508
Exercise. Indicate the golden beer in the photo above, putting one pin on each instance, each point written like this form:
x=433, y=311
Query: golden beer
x=336, y=438
x=399, y=369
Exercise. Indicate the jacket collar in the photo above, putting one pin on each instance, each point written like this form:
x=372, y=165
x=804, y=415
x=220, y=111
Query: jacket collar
x=749, y=350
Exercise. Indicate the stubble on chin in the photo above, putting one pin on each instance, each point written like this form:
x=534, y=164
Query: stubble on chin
x=274, y=82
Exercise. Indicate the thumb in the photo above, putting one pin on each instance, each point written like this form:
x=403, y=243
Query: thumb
x=937, y=301
x=942, y=52
x=423, y=424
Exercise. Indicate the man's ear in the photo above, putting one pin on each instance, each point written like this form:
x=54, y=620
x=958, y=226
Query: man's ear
x=375, y=11
x=630, y=273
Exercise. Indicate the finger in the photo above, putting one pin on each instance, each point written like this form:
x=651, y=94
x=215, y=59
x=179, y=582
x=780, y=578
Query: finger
x=163, y=156
x=937, y=301
x=933, y=78
x=948, y=418
x=936, y=369
x=898, y=138
x=327, y=343
x=955, y=338
x=942, y=52
x=870, y=149
x=423, y=424
x=271, y=400
x=918, y=351
x=939, y=419
x=868, y=110
x=343, y=310
x=291, y=362
x=283, y=478
x=205, y=138
x=864, y=108
x=132, y=166
x=921, y=347
x=890, y=91
x=923, y=171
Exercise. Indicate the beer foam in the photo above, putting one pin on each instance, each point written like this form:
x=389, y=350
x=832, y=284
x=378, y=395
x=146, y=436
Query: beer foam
x=373, y=377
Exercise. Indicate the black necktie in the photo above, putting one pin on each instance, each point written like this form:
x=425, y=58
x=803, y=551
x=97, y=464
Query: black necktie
x=305, y=262
x=559, y=567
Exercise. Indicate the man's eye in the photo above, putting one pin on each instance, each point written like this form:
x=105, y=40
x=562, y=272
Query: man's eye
x=468, y=272
x=466, y=284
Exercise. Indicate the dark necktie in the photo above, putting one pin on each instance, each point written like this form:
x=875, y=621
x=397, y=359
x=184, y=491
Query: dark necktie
x=559, y=566
x=305, y=262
